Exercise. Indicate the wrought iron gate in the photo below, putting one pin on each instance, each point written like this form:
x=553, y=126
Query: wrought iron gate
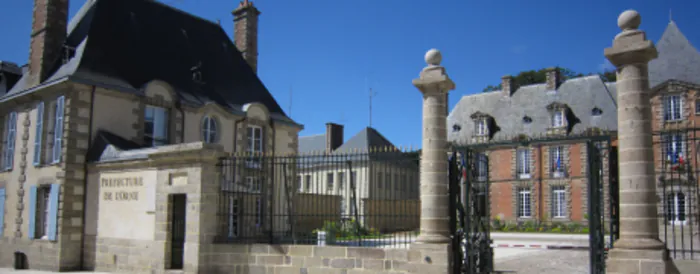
x=470, y=204
x=469, y=200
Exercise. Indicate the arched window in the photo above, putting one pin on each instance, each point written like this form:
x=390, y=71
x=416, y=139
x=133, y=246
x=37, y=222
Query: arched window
x=210, y=132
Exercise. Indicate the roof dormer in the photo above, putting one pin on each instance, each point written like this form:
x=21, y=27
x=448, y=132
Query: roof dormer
x=562, y=118
x=484, y=126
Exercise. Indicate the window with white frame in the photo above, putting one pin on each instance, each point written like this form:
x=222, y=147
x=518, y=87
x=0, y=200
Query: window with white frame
x=307, y=182
x=300, y=184
x=210, y=132
x=481, y=127
x=329, y=182
x=233, y=208
x=57, y=150
x=524, y=203
x=558, y=118
x=676, y=208
x=255, y=144
x=673, y=107
x=155, y=129
x=523, y=163
x=258, y=212
x=38, y=133
x=353, y=179
x=556, y=155
x=673, y=148
x=379, y=179
x=254, y=184
x=341, y=181
x=559, y=202
x=41, y=225
x=10, y=136
x=482, y=167
x=352, y=209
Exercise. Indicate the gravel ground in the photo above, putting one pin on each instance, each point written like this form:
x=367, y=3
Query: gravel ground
x=545, y=262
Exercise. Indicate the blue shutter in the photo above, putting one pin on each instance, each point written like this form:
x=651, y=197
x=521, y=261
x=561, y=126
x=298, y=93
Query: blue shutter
x=38, y=138
x=53, y=211
x=58, y=131
x=2, y=210
x=32, y=212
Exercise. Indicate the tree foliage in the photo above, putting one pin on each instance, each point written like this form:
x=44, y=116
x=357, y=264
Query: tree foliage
x=530, y=77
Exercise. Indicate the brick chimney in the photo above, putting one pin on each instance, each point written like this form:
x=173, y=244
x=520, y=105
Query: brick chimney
x=245, y=32
x=49, y=22
x=553, y=78
x=334, y=136
x=508, y=85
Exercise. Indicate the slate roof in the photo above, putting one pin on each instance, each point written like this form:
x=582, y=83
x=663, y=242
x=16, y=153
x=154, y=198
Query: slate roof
x=124, y=44
x=364, y=140
x=581, y=94
x=677, y=60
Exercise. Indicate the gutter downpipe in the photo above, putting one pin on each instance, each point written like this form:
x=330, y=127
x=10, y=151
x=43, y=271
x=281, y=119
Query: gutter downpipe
x=85, y=180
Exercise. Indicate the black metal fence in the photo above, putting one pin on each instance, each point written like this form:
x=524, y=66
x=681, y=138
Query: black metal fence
x=676, y=151
x=368, y=198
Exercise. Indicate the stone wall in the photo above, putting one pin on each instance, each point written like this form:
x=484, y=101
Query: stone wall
x=261, y=258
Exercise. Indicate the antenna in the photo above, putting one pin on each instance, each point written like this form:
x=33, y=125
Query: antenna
x=371, y=94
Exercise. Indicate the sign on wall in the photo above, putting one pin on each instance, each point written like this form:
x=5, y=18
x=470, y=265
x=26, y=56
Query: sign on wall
x=126, y=205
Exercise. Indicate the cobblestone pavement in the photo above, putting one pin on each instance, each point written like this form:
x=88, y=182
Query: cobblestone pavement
x=545, y=262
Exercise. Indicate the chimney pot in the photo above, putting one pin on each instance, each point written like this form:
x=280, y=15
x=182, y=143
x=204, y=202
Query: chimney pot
x=553, y=78
x=245, y=32
x=334, y=136
x=508, y=85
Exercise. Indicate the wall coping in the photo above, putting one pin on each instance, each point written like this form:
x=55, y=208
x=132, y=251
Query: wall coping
x=186, y=153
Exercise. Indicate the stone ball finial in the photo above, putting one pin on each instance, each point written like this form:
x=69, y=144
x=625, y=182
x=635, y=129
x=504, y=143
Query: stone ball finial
x=629, y=20
x=433, y=57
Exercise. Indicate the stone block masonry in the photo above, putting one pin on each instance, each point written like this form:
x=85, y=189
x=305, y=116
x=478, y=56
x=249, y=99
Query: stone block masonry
x=262, y=258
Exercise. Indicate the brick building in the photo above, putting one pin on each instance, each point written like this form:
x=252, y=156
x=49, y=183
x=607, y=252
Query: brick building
x=546, y=182
x=122, y=80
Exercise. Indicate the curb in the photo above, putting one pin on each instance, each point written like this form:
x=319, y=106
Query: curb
x=542, y=246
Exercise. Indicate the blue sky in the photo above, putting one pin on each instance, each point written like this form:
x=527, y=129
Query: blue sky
x=330, y=52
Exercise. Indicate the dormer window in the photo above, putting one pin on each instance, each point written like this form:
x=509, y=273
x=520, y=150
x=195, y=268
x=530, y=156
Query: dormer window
x=596, y=112
x=673, y=107
x=527, y=120
x=481, y=127
x=558, y=118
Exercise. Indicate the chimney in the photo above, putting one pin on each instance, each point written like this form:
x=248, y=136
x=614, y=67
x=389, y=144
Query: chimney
x=508, y=85
x=553, y=78
x=334, y=136
x=49, y=23
x=245, y=32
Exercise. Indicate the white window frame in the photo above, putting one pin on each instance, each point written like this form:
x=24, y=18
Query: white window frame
x=57, y=150
x=559, y=202
x=673, y=107
x=254, y=184
x=481, y=127
x=482, y=167
x=673, y=207
x=210, y=129
x=300, y=184
x=255, y=145
x=341, y=181
x=524, y=203
x=158, y=118
x=38, y=133
x=353, y=180
x=330, y=182
x=523, y=163
x=10, y=139
x=558, y=118
x=234, y=228
x=557, y=153
x=673, y=146
x=307, y=182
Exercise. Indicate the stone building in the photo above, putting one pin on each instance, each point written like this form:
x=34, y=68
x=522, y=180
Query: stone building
x=100, y=97
x=370, y=184
x=536, y=182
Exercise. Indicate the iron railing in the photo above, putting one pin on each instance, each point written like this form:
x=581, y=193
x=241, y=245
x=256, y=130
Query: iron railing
x=676, y=151
x=368, y=198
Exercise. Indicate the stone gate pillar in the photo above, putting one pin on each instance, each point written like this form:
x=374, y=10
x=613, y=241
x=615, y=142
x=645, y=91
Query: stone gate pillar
x=639, y=249
x=434, y=195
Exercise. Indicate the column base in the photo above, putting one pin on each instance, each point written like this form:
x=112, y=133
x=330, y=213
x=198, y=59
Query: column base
x=432, y=238
x=646, y=261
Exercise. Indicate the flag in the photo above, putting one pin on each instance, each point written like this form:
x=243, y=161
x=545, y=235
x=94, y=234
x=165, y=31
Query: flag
x=558, y=167
x=464, y=167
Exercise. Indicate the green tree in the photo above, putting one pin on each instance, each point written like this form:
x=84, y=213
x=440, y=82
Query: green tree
x=530, y=77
